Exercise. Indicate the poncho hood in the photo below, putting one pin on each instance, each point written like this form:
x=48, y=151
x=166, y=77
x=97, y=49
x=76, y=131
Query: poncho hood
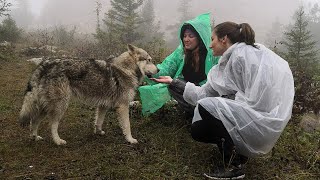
x=202, y=25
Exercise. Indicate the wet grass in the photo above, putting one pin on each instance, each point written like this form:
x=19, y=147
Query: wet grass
x=165, y=149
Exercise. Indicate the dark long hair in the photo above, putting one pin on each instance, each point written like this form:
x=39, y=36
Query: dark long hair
x=236, y=32
x=200, y=51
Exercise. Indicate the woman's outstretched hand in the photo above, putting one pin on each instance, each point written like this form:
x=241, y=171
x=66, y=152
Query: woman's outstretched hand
x=162, y=79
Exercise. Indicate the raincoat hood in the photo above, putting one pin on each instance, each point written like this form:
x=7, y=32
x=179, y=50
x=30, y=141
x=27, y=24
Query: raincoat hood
x=202, y=25
x=174, y=63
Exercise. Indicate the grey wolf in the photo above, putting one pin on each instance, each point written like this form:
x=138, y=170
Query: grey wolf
x=104, y=84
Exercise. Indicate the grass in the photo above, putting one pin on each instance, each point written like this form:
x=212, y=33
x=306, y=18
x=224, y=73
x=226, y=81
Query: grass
x=165, y=149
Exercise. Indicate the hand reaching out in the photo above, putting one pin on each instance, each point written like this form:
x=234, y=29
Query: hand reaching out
x=162, y=79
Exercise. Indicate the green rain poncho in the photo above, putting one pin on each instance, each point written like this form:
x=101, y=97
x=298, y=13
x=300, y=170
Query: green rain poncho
x=154, y=96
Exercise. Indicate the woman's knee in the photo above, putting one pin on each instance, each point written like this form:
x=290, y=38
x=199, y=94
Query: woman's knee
x=197, y=131
x=208, y=129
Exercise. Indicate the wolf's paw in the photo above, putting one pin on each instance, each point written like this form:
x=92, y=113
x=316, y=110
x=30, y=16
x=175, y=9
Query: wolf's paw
x=36, y=138
x=99, y=132
x=60, y=142
x=132, y=140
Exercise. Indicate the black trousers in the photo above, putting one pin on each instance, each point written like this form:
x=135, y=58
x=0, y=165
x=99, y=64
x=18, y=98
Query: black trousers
x=176, y=89
x=212, y=130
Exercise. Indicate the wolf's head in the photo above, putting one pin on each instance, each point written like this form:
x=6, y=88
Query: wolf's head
x=143, y=60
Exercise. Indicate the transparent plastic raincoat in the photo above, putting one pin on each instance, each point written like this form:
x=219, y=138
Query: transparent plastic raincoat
x=155, y=95
x=264, y=90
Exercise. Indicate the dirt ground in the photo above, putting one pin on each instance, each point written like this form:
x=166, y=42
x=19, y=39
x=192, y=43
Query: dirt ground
x=165, y=149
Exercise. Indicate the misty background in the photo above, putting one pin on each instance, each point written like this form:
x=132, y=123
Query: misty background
x=260, y=14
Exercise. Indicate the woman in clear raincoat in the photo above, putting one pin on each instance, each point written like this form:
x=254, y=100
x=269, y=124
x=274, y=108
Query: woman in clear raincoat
x=249, y=124
x=191, y=61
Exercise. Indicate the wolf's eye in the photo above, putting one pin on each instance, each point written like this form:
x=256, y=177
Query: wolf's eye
x=143, y=59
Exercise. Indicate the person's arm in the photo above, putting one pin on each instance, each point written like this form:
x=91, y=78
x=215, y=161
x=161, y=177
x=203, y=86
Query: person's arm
x=176, y=85
x=191, y=92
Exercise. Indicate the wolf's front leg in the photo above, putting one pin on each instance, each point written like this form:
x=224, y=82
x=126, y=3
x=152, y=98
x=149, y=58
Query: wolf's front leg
x=100, y=114
x=123, y=118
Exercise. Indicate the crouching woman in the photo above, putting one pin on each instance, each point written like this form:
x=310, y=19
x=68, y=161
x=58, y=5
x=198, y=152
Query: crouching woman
x=261, y=83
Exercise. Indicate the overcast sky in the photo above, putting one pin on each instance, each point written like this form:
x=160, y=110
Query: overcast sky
x=258, y=13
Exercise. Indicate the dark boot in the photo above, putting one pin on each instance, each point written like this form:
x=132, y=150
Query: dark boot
x=233, y=163
x=227, y=173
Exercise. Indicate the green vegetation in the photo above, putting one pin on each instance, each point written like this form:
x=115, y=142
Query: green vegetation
x=302, y=56
x=121, y=22
x=4, y=7
x=9, y=30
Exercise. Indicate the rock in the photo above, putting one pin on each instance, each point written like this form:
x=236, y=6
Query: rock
x=35, y=60
x=5, y=44
x=310, y=123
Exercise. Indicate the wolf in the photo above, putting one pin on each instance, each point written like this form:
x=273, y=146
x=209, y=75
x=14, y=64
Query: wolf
x=103, y=84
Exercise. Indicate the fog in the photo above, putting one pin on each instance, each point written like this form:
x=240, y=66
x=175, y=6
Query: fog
x=260, y=14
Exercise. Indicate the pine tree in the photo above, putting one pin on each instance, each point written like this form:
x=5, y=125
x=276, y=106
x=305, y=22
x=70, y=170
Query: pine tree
x=149, y=20
x=98, y=10
x=302, y=57
x=4, y=7
x=315, y=13
x=301, y=50
x=120, y=27
x=124, y=19
x=184, y=9
x=152, y=39
x=274, y=36
x=314, y=16
x=185, y=14
x=9, y=30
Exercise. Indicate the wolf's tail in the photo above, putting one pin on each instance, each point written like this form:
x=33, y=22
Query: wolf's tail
x=30, y=109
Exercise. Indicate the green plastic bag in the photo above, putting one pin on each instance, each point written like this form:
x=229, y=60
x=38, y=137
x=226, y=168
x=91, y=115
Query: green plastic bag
x=155, y=96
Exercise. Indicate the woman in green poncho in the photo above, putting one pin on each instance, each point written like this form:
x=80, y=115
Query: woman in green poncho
x=191, y=61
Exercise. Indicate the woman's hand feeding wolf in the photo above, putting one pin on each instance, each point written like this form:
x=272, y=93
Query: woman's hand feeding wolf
x=162, y=79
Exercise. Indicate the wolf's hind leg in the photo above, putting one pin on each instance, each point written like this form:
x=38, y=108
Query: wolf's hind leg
x=34, y=128
x=54, y=132
x=54, y=128
x=123, y=118
x=100, y=115
x=55, y=114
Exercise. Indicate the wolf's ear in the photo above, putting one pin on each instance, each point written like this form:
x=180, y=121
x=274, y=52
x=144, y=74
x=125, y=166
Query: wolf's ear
x=131, y=47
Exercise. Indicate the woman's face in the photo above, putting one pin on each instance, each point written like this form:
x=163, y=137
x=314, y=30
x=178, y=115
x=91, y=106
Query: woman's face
x=218, y=46
x=190, y=40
